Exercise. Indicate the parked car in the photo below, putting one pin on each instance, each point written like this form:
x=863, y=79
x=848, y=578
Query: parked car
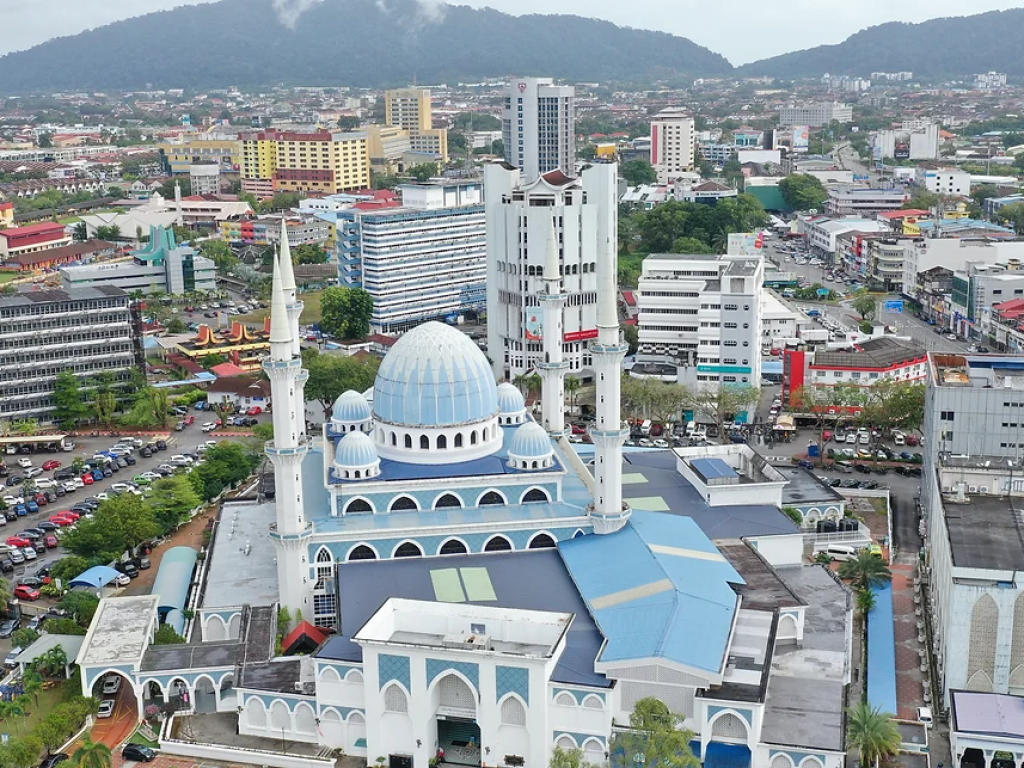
x=9, y=627
x=50, y=465
x=138, y=752
x=12, y=658
x=256, y=411
x=51, y=761
x=106, y=708
x=24, y=592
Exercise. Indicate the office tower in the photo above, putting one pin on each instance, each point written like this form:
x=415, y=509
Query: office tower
x=539, y=126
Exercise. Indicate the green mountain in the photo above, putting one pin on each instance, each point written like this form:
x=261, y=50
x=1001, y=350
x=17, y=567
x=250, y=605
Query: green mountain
x=353, y=42
x=936, y=48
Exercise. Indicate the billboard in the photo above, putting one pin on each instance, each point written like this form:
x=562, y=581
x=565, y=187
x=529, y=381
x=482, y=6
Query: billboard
x=901, y=150
x=580, y=335
x=745, y=244
x=534, y=327
x=801, y=138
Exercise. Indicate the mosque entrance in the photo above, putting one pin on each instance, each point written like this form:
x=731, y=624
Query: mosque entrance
x=460, y=740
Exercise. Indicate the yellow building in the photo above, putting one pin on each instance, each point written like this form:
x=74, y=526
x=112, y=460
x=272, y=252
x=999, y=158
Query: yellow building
x=6, y=214
x=387, y=144
x=279, y=161
x=176, y=157
x=410, y=108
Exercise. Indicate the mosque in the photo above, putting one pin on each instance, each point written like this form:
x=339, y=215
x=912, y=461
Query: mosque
x=473, y=586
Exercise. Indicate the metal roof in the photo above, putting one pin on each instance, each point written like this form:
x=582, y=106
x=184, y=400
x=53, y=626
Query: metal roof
x=96, y=577
x=649, y=584
x=991, y=714
x=174, y=577
x=711, y=469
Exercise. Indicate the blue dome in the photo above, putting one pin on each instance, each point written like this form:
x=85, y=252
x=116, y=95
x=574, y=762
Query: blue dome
x=351, y=406
x=530, y=441
x=510, y=399
x=355, y=450
x=434, y=376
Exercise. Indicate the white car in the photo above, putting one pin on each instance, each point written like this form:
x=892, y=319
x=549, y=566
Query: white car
x=121, y=487
x=24, y=462
x=71, y=486
x=106, y=708
x=209, y=426
x=660, y=443
x=112, y=683
x=33, y=471
x=12, y=501
x=29, y=553
x=151, y=475
x=851, y=439
x=899, y=438
x=179, y=460
x=44, y=483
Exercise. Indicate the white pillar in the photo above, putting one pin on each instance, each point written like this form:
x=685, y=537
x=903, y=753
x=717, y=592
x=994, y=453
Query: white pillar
x=553, y=368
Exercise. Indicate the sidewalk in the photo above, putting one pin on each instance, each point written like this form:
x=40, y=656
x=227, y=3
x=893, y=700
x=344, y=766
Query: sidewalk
x=909, y=677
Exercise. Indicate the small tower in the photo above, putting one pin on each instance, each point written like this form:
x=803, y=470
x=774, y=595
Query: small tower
x=609, y=513
x=292, y=304
x=553, y=368
x=287, y=450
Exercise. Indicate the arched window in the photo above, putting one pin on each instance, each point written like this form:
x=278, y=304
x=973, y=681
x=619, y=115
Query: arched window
x=593, y=702
x=981, y=657
x=408, y=441
x=565, y=699
x=323, y=555
x=403, y=504
x=394, y=439
x=453, y=547
x=498, y=544
x=535, y=494
x=409, y=549
x=395, y=699
x=729, y=726
x=362, y=552
x=541, y=541
x=513, y=712
x=534, y=465
x=448, y=500
x=424, y=442
x=491, y=497
x=442, y=443
x=358, y=473
x=472, y=437
x=358, y=506
x=458, y=439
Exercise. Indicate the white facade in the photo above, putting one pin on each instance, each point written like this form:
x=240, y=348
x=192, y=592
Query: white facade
x=990, y=80
x=815, y=114
x=539, y=126
x=821, y=231
x=204, y=179
x=673, y=144
x=858, y=201
x=519, y=216
x=945, y=181
x=703, y=314
x=913, y=140
x=953, y=254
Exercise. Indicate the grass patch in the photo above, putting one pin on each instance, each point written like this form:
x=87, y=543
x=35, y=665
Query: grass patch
x=879, y=506
x=48, y=699
x=310, y=313
x=140, y=738
x=7, y=277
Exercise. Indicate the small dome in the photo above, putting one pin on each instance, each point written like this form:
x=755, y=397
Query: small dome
x=530, y=441
x=510, y=399
x=356, y=450
x=434, y=376
x=351, y=406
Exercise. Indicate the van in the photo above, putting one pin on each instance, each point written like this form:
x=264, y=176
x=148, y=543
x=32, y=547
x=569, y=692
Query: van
x=691, y=428
x=840, y=552
x=645, y=428
x=924, y=715
x=842, y=466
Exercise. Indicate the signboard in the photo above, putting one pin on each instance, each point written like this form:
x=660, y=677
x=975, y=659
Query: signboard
x=801, y=138
x=901, y=151
x=580, y=335
x=745, y=243
x=894, y=305
x=534, y=327
x=824, y=291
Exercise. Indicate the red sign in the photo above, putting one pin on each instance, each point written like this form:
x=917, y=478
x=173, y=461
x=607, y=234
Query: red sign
x=581, y=335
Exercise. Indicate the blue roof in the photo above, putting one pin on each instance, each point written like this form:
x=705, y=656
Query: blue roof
x=96, y=577
x=713, y=468
x=434, y=376
x=355, y=449
x=174, y=578
x=530, y=441
x=531, y=580
x=510, y=399
x=350, y=406
x=650, y=584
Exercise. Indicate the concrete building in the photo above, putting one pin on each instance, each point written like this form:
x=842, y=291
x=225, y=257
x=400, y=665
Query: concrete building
x=518, y=215
x=944, y=181
x=411, y=110
x=873, y=360
x=266, y=230
x=716, y=153
x=539, y=126
x=703, y=315
x=924, y=254
x=204, y=179
x=912, y=140
x=161, y=266
x=822, y=232
x=815, y=115
x=876, y=258
x=421, y=259
x=323, y=161
x=673, y=144
x=16, y=241
x=976, y=288
x=858, y=201
x=87, y=331
x=989, y=81
x=6, y=214
x=177, y=157
x=388, y=145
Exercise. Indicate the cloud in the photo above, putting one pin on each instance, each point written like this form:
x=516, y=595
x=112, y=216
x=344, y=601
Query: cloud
x=289, y=11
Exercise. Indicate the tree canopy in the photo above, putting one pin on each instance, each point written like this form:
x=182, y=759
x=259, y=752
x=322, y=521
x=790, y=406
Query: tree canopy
x=655, y=732
x=637, y=172
x=345, y=312
x=660, y=228
x=330, y=375
x=803, y=192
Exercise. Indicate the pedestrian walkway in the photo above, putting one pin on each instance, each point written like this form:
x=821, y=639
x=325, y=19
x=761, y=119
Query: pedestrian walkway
x=909, y=677
x=881, y=652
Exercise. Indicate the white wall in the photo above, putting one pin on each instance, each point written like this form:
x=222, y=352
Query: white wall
x=780, y=550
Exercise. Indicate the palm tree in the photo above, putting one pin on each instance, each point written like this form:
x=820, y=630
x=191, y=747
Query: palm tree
x=32, y=685
x=873, y=733
x=92, y=754
x=866, y=570
x=865, y=602
x=572, y=386
x=80, y=231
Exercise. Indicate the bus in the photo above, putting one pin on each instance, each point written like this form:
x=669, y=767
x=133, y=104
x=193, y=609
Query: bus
x=36, y=444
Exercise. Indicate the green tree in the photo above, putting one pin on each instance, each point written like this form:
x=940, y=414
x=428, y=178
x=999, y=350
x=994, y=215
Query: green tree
x=24, y=637
x=120, y=525
x=865, y=602
x=104, y=405
x=572, y=386
x=690, y=245
x=865, y=305
x=803, y=192
x=637, y=172
x=166, y=635
x=32, y=682
x=873, y=733
x=330, y=375
x=830, y=404
x=866, y=570
x=92, y=754
x=345, y=312
x=80, y=232
x=1011, y=215
x=81, y=606
x=176, y=325
x=173, y=499
x=45, y=140
x=110, y=233
x=308, y=253
x=980, y=194
x=167, y=188
x=568, y=758
x=68, y=567
x=349, y=122
x=655, y=732
x=220, y=253
x=722, y=402
x=70, y=406
x=631, y=335
x=65, y=627
x=224, y=465
x=423, y=172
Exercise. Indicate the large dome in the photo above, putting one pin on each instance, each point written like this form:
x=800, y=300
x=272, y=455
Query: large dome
x=434, y=376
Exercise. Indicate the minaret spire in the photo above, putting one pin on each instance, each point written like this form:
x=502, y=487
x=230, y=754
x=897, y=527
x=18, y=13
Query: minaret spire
x=293, y=305
x=553, y=368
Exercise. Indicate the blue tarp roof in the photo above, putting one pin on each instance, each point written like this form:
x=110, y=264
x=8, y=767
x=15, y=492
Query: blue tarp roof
x=882, y=651
x=174, y=577
x=649, y=584
x=96, y=577
x=713, y=468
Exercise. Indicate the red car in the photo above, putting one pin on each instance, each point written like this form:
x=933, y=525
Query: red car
x=254, y=411
x=189, y=420
x=41, y=500
x=51, y=464
x=51, y=541
x=88, y=479
x=26, y=593
x=18, y=541
x=70, y=514
x=62, y=521
x=578, y=430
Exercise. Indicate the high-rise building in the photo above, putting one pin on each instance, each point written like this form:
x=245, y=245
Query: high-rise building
x=816, y=114
x=204, y=178
x=539, y=126
x=87, y=331
x=410, y=109
x=673, y=144
x=519, y=215
x=423, y=259
x=323, y=161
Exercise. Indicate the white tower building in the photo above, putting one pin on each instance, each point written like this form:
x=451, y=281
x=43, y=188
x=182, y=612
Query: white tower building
x=519, y=218
x=673, y=144
x=538, y=126
x=289, y=447
x=553, y=367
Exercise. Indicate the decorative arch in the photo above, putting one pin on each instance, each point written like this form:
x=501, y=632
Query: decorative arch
x=358, y=506
x=578, y=533
x=781, y=760
x=204, y=676
x=979, y=682
x=424, y=443
x=565, y=741
x=323, y=555
x=811, y=762
x=354, y=676
x=541, y=540
x=363, y=551
x=396, y=699
x=408, y=549
x=1017, y=643
x=981, y=655
x=593, y=751
x=453, y=546
x=534, y=495
x=280, y=716
x=442, y=442
x=593, y=701
x=329, y=675
x=234, y=625
x=215, y=629
x=565, y=699
x=454, y=690
x=305, y=719
x=331, y=715
x=498, y=543
x=513, y=711
x=404, y=504
x=255, y=713
x=448, y=499
x=729, y=725
x=356, y=730
x=787, y=625
x=153, y=681
x=491, y=496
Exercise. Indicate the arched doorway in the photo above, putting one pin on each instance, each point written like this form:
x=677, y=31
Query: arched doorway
x=973, y=758
x=119, y=708
x=227, y=697
x=205, y=695
x=457, y=731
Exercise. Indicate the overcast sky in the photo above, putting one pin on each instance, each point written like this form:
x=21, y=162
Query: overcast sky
x=741, y=30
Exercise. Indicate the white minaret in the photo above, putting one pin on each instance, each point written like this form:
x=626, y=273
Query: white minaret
x=553, y=368
x=180, y=218
x=608, y=513
x=292, y=305
x=287, y=450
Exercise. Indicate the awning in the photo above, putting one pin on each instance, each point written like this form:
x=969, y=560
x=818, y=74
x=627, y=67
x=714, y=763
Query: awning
x=96, y=577
x=726, y=756
x=785, y=423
